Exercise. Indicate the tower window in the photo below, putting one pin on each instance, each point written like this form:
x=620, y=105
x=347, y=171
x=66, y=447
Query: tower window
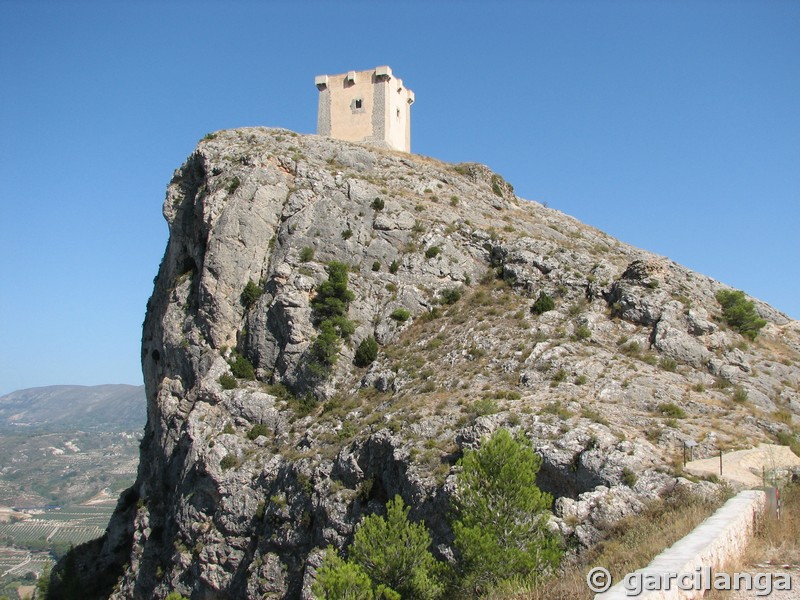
x=357, y=105
x=398, y=113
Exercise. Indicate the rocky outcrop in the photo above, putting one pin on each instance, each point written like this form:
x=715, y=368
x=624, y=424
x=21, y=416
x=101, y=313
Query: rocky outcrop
x=223, y=510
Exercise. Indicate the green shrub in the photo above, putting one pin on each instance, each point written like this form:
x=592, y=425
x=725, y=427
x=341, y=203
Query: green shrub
x=378, y=204
x=668, y=364
x=251, y=293
x=332, y=298
x=393, y=552
x=500, y=523
x=229, y=461
x=303, y=405
x=433, y=252
x=556, y=408
x=306, y=254
x=228, y=382
x=175, y=596
x=330, y=305
x=582, y=332
x=347, y=234
x=649, y=358
x=400, y=314
x=739, y=394
x=233, y=185
x=258, y=430
x=344, y=327
x=672, y=410
x=325, y=348
x=338, y=578
x=498, y=183
x=542, y=304
x=629, y=477
x=631, y=348
x=394, y=267
x=367, y=352
x=484, y=406
x=450, y=295
x=740, y=313
x=787, y=439
x=242, y=368
x=376, y=266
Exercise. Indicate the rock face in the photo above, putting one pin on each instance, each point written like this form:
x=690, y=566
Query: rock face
x=633, y=359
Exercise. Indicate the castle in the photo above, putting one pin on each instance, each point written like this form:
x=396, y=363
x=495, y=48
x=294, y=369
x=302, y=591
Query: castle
x=365, y=106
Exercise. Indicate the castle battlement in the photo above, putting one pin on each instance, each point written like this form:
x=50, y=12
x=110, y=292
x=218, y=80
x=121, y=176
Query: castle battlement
x=365, y=106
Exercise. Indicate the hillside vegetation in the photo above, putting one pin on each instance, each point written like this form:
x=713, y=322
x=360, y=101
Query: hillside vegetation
x=333, y=327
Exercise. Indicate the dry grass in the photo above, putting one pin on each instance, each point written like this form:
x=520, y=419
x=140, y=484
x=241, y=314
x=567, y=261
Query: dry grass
x=630, y=544
x=777, y=542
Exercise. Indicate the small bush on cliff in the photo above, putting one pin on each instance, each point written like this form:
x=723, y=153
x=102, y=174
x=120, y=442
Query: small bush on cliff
x=257, y=430
x=333, y=298
x=450, y=295
x=671, y=410
x=228, y=382
x=251, y=293
x=330, y=307
x=500, y=524
x=543, y=304
x=229, y=461
x=433, y=252
x=306, y=254
x=401, y=315
x=325, y=349
x=740, y=313
x=367, y=352
x=233, y=185
x=242, y=368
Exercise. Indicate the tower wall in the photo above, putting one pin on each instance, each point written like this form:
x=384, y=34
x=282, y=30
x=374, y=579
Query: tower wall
x=365, y=106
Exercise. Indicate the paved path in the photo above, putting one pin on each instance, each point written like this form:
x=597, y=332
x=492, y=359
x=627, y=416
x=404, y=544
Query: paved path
x=744, y=467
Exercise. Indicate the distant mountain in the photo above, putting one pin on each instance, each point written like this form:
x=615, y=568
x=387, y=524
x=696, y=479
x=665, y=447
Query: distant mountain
x=69, y=407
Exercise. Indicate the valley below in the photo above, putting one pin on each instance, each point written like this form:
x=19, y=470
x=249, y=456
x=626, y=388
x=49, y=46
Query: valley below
x=59, y=483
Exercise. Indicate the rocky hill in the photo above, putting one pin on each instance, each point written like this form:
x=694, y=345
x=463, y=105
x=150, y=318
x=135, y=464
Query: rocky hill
x=72, y=407
x=488, y=310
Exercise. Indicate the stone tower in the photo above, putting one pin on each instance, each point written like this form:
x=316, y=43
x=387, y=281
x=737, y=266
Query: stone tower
x=365, y=106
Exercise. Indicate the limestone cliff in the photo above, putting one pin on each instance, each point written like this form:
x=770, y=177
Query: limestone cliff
x=633, y=358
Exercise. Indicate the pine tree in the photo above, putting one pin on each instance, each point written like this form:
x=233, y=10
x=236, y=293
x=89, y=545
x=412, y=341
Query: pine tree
x=500, y=521
x=394, y=552
x=338, y=579
x=389, y=560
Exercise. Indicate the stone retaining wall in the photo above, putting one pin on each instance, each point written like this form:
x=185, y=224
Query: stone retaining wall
x=715, y=543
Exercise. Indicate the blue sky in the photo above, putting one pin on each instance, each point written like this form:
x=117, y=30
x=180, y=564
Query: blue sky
x=674, y=126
